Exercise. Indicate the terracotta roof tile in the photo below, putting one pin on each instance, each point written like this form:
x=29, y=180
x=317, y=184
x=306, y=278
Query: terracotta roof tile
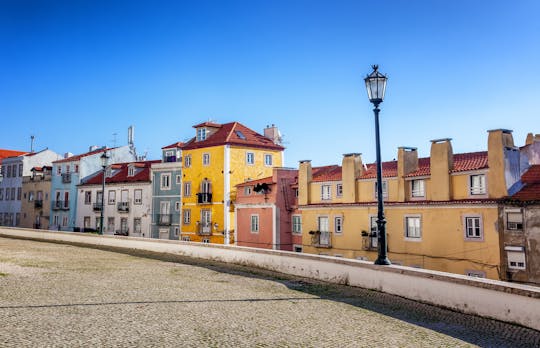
x=173, y=146
x=208, y=124
x=10, y=153
x=233, y=133
x=532, y=175
x=389, y=169
x=326, y=173
x=531, y=190
x=78, y=157
x=121, y=175
x=462, y=162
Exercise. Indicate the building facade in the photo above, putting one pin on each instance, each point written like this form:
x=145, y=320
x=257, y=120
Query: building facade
x=35, y=205
x=69, y=172
x=127, y=207
x=265, y=212
x=441, y=211
x=166, y=194
x=11, y=186
x=219, y=157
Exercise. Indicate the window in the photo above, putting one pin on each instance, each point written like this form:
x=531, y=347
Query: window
x=187, y=216
x=201, y=134
x=19, y=193
x=165, y=182
x=112, y=197
x=250, y=158
x=178, y=179
x=477, y=184
x=338, y=224
x=110, y=224
x=297, y=224
x=68, y=169
x=473, y=228
x=176, y=231
x=86, y=223
x=137, y=196
x=297, y=248
x=514, y=220
x=66, y=199
x=87, y=197
x=8, y=172
x=1, y=194
x=76, y=168
x=418, y=188
x=99, y=197
x=254, y=223
x=30, y=196
x=267, y=159
x=187, y=189
x=187, y=161
x=137, y=225
x=98, y=224
x=325, y=192
x=374, y=232
x=384, y=189
x=339, y=190
x=247, y=190
x=20, y=169
x=412, y=227
x=516, y=259
x=64, y=221
x=206, y=159
x=323, y=223
x=177, y=206
x=131, y=171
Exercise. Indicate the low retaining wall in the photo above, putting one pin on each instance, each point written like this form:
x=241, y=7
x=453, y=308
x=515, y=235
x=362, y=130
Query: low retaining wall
x=503, y=301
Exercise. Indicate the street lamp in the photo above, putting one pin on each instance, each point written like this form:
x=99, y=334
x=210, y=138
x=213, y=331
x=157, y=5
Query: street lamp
x=376, y=86
x=104, y=162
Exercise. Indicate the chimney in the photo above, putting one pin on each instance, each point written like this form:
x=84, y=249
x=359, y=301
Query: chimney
x=441, y=163
x=93, y=148
x=499, y=140
x=272, y=132
x=68, y=155
x=407, y=163
x=351, y=169
x=304, y=182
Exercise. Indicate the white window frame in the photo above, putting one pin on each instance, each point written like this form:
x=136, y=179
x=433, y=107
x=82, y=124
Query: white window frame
x=202, y=134
x=384, y=189
x=420, y=191
x=87, y=197
x=338, y=225
x=467, y=228
x=516, y=260
x=206, y=159
x=187, y=161
x=187, y=189
x=326, y=225
x=268, y=160
x=250, y=158
x=137, y=200
x=247, y=190
x=517, y=223
x=186, y=216
x=416, y=235
x=339, y=190
x=326, y=192
x=131, y=171
x=296, y=224
x=177, y=206
x=254, y=223
x=477, y=189
x=373, y=228
x=165, y=181
x=111, y=197
x=178, y=179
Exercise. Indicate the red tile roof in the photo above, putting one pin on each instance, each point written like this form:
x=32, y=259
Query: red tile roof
x=208, y=124
x=462, y=162
x=531, y=190
x=173, y=146
x=10, y=153
x=121, y=175
x=233, y=133
x=78, y=157
x=389, y=169
x=326, y=173
x=268, y=180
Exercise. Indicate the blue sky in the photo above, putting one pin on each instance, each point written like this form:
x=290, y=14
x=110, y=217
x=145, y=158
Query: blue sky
x=74, y=73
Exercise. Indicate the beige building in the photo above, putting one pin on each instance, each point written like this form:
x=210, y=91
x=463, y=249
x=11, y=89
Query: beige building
x=35, y=204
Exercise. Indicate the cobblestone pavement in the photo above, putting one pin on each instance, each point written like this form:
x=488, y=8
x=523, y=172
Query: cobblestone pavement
x=54, y=295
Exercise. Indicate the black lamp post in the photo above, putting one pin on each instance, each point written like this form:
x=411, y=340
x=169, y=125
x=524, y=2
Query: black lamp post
x=376, y=86
x=104, y=162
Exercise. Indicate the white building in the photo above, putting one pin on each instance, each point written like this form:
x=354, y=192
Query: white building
x=13, y=170
x=128, y=198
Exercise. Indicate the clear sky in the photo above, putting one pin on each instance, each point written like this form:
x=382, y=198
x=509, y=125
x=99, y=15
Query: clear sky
x=73, y=73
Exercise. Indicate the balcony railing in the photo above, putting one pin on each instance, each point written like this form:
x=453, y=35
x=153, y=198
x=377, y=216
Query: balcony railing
x=123, y=207
x=204, y=229
x=98, y=206
x=38, y=203
x=164, y=219
x=60, y=205
x=204, y=198
x=66, y=178
x=321, y=239
x=369, y=240
x=122, y=232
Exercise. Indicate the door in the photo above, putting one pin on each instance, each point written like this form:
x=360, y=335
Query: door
x=206, y=221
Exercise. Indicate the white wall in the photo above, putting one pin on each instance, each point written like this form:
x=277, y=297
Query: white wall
x=488, y=298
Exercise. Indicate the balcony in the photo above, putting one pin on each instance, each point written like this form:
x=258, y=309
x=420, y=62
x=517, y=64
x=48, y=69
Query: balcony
x=38, y=203
x=369, y=241
x=60, y=205
x=170, y=158
x=98, y=206
x=66, y=178
x=204, y=198
x=123, y=207
x=321, y=239
x=204, y=229
x=164, y=219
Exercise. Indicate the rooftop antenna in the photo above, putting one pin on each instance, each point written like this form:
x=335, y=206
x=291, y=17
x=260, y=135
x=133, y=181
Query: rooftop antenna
x=32, y=143
x=131, y=135
x=114, y=139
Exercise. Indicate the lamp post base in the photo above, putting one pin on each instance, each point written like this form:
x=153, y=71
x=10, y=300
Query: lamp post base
x=383, y=261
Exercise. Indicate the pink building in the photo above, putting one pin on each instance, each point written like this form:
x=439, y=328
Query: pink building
x=266, y=214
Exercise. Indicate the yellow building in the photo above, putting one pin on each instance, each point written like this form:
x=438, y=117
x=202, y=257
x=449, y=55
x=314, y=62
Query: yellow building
x=441, y=211
x=218, y=158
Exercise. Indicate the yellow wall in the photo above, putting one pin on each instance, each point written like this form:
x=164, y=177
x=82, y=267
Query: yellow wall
x=239, y=171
